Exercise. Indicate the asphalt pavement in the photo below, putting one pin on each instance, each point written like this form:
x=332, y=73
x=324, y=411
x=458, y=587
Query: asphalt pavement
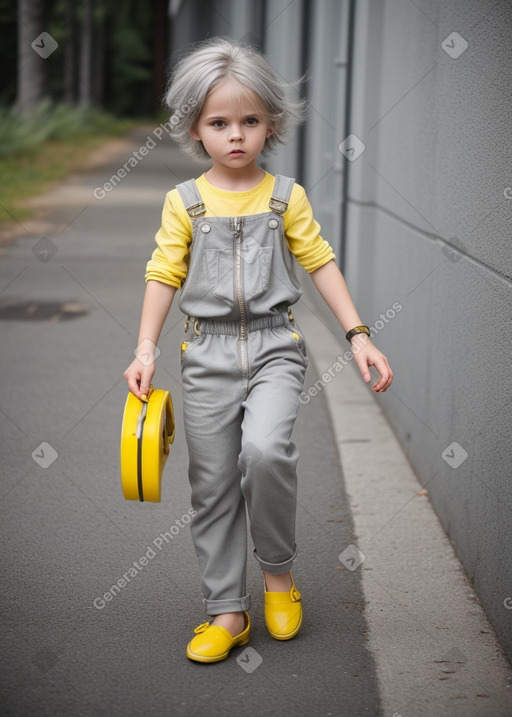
x=391, y=624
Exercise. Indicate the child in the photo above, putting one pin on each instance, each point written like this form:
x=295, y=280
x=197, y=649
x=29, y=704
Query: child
x=229, y=241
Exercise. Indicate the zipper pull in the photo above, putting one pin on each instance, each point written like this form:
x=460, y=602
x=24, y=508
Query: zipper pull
x=237, y=225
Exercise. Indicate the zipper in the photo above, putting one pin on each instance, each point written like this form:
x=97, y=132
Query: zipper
x=237, y=247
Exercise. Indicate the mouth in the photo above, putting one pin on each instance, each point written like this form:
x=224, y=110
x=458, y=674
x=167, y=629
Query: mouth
x=236, y=153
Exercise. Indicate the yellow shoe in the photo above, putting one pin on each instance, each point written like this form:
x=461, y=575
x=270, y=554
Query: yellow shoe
x=283, y=613
x=213, y=643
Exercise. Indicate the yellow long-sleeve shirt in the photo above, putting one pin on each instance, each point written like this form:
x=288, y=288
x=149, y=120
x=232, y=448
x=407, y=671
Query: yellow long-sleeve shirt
x=170, y=260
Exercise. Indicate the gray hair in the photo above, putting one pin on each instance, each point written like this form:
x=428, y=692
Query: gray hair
x=213, y=61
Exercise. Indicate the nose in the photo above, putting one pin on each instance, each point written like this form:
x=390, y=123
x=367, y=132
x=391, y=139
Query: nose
x=235, y=134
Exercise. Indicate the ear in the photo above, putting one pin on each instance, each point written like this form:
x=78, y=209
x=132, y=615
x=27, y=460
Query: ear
x=194, y=133
x=270, y=130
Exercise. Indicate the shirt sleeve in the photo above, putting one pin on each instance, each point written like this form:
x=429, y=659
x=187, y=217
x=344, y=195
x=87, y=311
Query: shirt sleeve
x=303, y=233
x=170, y=260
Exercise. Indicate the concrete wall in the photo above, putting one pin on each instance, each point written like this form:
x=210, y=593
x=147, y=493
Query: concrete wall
x=429, y=228
x=426, y=247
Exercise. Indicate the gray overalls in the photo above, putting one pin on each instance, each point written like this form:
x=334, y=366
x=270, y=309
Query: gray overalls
x=243, y=363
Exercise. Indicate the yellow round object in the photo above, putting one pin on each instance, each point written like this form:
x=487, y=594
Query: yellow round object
x=146, y=435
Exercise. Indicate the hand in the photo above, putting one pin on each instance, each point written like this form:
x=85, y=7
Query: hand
x=366, y=355
x=139, y=375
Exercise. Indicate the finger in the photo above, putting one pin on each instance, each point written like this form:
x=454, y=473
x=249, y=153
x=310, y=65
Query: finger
x=133, y=379
x=145, y=381
x=144, y=390
x=386, y=378
x=380, y=386
x=133, y=385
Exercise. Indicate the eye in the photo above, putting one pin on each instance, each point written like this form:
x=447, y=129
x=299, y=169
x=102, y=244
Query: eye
x=218, y=123
x=252, y=121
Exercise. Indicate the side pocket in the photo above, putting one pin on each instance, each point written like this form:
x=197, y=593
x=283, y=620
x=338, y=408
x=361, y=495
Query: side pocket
x=189, y=345
x=291, y=332
x=301, y=344
x=184, y=346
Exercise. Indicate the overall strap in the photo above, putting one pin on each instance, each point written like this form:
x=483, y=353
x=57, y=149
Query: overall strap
x=281, y=193
x=191, y=198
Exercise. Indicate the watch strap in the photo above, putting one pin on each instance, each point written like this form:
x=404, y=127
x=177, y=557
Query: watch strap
x=357, y=330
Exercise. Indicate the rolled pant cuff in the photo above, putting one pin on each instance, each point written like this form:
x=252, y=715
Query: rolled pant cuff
x=219, y=607
x=276, y=568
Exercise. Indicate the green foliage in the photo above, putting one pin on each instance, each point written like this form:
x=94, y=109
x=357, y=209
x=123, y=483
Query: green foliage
x=129, y=65
x=20, y=135
x=123, y=38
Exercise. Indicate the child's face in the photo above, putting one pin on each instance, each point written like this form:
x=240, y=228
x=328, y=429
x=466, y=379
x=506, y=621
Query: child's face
x=232, y=126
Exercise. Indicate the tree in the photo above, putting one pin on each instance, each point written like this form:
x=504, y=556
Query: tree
x=31, y=64
x=85, y=87
x=93, y=53
x=69, y=53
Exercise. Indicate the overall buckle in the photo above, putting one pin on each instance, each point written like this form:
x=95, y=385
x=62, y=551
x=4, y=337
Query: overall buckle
x=277, y=205
x=196, y=210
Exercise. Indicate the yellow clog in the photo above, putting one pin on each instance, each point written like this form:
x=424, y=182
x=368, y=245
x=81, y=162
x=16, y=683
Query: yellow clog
x=146, y=434
x=283, y=613
x=213, y=643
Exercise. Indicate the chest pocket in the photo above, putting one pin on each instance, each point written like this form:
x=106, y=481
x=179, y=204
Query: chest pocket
x=223, y=275
x=256, y=264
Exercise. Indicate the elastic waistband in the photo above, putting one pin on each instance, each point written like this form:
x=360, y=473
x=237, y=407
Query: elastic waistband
x=232, y=328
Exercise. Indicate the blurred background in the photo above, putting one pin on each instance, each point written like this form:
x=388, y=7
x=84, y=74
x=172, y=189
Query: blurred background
x=406, y=158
